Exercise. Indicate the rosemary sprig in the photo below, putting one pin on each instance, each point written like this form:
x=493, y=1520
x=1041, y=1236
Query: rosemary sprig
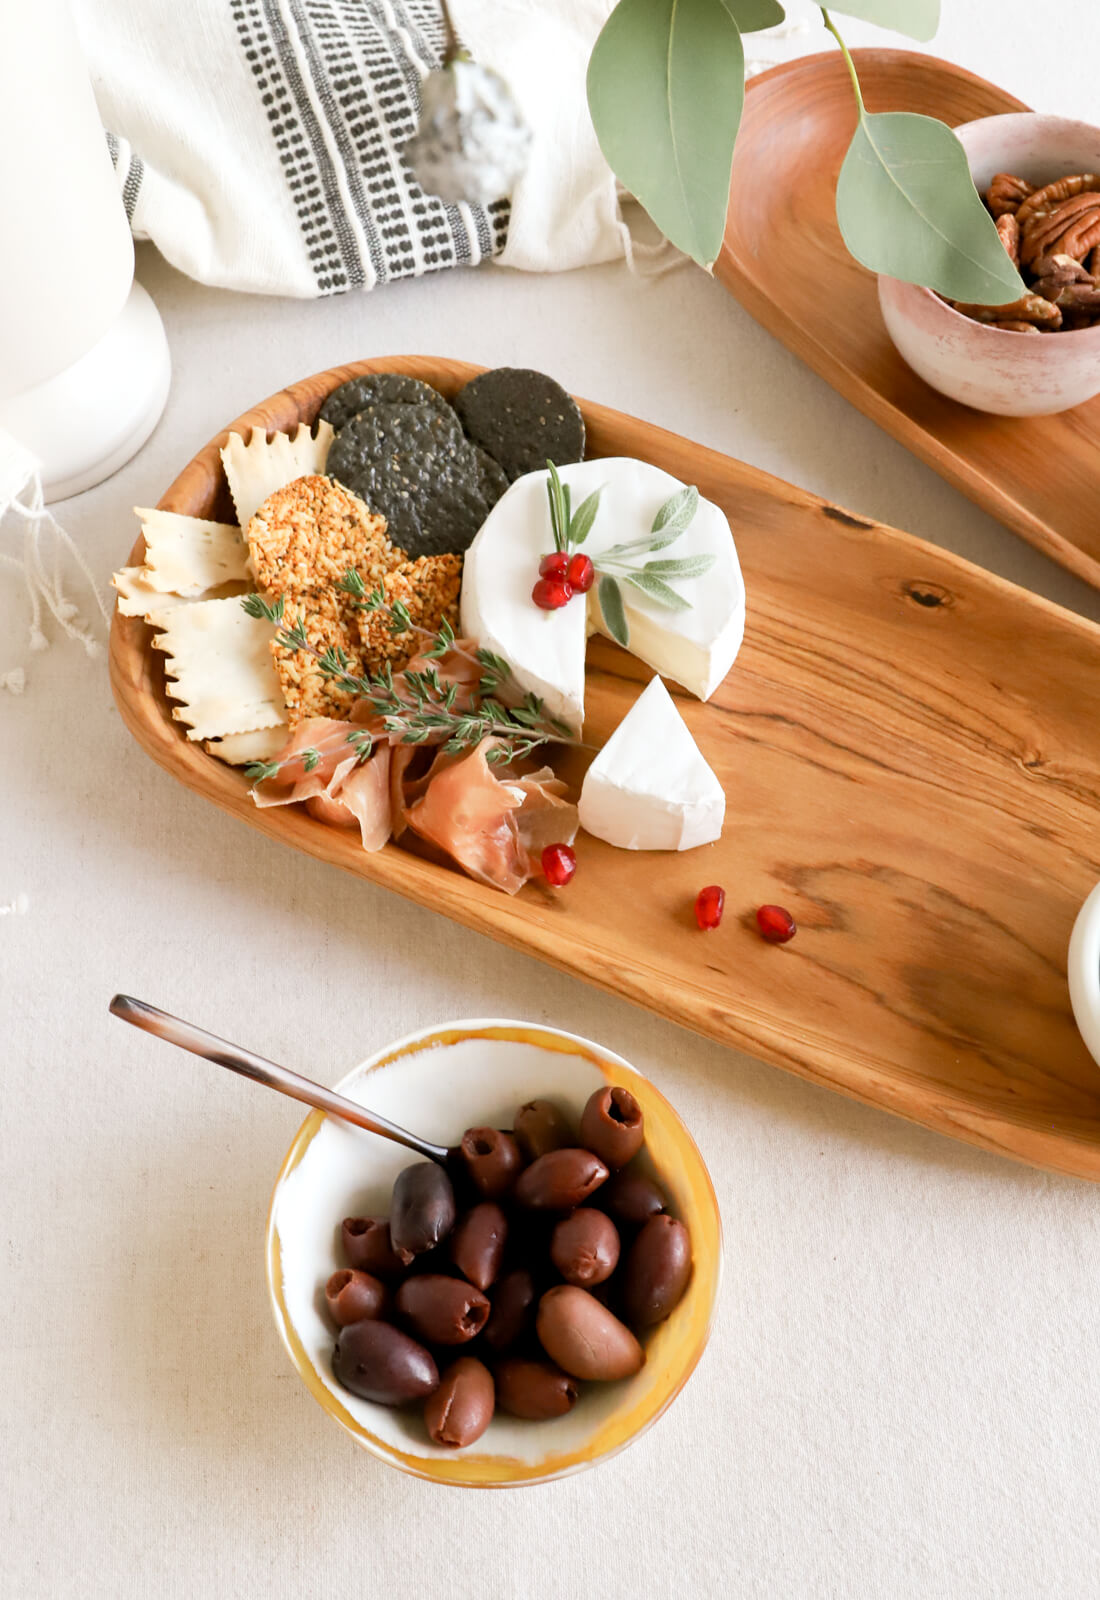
x=627, y=562
x=415, y=705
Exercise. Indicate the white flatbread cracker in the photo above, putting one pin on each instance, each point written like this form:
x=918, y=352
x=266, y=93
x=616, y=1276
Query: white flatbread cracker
x=220, y=659
x=256, y=469
x=138, y=598
x=188, y=555
x=260, y=744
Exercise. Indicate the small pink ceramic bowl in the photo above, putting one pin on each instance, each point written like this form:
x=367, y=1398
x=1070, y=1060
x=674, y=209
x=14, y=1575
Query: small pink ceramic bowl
x=1013, y=374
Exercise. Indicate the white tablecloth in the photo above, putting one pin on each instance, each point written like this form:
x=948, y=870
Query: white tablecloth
x=900, y=1397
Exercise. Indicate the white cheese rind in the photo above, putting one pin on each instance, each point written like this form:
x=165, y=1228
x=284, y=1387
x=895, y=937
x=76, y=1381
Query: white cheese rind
x=649, y=788
x=695, y=647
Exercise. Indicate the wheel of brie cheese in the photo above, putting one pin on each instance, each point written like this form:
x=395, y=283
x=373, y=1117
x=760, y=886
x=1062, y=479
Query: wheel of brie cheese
x=694, y=645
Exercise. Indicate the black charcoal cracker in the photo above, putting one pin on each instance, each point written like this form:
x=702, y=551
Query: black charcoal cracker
x=522, y=418
x=392, y=388
x=413, y=465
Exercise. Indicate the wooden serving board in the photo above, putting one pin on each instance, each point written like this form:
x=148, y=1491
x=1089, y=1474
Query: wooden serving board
x=784, y=259
x=909, y=750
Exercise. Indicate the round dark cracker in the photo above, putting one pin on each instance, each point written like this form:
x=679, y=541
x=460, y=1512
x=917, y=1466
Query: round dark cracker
x=522, y=418
x=413, y=465
x=391, y=388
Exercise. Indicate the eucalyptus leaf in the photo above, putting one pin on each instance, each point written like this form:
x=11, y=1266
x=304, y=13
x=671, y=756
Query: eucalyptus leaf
x=666, y=84
x=752, y=15
x=681, y=566
x=657, y=589
x=677, y=511
x=580, y=525
x=614, y=612
x=917, y=19
x=907, y=207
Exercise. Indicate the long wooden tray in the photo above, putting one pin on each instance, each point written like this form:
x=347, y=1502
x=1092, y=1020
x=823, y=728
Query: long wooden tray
x=784, y=259
x=909, y=749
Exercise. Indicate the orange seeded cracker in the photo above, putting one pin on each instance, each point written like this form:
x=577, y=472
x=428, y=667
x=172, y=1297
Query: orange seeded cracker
x=429, y=588
x=306, y=690
x=305, y=537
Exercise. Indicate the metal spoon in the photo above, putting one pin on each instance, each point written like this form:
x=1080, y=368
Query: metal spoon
x=272, y=1076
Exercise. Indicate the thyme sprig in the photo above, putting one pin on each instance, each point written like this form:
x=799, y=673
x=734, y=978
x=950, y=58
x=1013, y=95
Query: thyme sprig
x=415, y=705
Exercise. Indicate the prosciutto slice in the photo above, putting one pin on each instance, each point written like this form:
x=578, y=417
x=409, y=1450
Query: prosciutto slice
x=341, y=790
x=478, y=819
x=492, y=823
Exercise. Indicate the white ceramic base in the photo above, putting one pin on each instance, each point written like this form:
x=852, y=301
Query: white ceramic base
x=86, y=422
x=1083, y=970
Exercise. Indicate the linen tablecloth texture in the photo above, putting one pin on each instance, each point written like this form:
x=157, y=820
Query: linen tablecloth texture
x=258, y=142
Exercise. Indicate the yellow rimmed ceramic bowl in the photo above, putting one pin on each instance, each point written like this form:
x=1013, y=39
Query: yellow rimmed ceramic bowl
x=439, y=1082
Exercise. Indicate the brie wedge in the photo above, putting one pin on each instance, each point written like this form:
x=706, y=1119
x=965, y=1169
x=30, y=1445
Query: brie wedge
x=649, y=788
x=695, y=646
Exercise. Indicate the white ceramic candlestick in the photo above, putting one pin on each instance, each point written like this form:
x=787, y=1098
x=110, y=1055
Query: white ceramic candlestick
x=84, y=365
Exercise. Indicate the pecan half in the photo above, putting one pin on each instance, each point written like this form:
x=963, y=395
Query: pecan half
x=1080, y=297
x=1031, y=308
x=1008, y=231
x=1051, y=194
x=1015, y=327
x=1006, y=192
x=1072, y=228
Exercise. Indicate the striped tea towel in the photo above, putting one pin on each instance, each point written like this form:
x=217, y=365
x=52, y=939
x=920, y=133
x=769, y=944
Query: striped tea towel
x=258, y=142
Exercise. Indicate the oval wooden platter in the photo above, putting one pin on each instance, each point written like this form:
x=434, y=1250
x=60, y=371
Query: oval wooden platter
x=784, y=259
x=908, y=747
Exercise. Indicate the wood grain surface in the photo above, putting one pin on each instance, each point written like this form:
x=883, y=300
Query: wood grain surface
x=908, y=748
x=784, y=259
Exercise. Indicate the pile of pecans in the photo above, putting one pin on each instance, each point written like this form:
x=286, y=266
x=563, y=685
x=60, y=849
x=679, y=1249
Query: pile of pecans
x=1053, y=237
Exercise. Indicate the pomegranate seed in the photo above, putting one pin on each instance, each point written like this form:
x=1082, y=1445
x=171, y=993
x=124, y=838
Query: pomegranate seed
x=709, y=905
x=581, y=574
x=555, y=565
x=559, y=863
x=775, y=924
x=552, y=593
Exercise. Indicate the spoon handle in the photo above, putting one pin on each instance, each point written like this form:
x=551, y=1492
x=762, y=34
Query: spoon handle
x=173, y=1029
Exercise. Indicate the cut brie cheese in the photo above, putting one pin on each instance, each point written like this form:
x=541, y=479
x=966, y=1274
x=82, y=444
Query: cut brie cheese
x=695, y=646
x=649, y=788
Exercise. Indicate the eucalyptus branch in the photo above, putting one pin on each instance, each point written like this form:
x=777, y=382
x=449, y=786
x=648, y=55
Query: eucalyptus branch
x=846, y=53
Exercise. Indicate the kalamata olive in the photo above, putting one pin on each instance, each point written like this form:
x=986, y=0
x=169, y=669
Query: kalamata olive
x=513, y=1311
x=541, y=1127
x=612, y=1125
x=477, y=1244
x=492, y=1159
x=368, y=1246
x=656, y=1271
x=443, y=1310
x=351, y=1296
x=462, y=1407
x=378, y=1362
x=584, y=1338
x=560, y=1180
x=631, y=1197
x=422, y=1210
x=534, y=1390
x=585, y=1248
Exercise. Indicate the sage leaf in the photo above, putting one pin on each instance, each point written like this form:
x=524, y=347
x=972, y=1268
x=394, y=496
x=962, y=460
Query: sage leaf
x=681, y=566
x=580, y=525
x=666, y=84
x=657, y=589
x=677, y=510
x=614, y=612
x=917, y=19
x=907, y=207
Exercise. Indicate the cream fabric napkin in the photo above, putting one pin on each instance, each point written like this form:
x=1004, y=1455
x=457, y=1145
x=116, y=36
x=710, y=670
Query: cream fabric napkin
x=258, y=142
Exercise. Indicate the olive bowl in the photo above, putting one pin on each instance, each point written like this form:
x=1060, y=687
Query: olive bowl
x=439, y=1082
